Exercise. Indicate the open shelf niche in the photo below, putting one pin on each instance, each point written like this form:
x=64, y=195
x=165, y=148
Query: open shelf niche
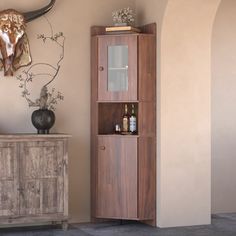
x=110, y=114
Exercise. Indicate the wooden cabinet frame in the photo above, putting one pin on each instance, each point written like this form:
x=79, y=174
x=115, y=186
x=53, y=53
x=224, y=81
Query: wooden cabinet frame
x=106, y=110
x=117, y=195
x=103, y=44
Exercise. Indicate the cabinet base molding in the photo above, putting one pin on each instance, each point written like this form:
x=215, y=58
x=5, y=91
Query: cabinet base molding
x=32, y=220
x=151, y=222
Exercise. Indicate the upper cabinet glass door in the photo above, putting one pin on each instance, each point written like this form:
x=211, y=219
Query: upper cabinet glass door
x=117, y=69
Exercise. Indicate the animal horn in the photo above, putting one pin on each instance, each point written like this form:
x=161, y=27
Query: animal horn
x=31, y=15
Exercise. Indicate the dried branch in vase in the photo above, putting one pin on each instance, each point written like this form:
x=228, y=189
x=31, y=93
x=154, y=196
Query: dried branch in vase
x=48, y=99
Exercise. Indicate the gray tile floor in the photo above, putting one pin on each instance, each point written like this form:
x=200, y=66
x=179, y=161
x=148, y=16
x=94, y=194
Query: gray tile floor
x=222, y=225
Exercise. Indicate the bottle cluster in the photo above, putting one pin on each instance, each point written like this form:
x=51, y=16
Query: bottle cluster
x=129, y=122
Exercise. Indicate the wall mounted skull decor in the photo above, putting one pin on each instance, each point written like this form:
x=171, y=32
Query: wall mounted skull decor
x=14, y=44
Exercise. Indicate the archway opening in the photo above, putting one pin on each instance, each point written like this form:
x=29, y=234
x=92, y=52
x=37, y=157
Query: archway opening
x=224, y=109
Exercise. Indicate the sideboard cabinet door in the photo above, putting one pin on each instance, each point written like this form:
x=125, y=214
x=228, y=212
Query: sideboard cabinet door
x=117, y=68
x=9, y=188
x=41, y=178
x=117, y=177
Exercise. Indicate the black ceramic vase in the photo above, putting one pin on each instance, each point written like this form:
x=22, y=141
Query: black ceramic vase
x=43, y=120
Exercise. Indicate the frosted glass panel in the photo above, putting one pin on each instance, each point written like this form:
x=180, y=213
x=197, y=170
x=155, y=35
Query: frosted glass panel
x=118, y=68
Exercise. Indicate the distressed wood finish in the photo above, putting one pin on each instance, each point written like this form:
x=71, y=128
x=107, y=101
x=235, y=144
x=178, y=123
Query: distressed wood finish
x=9, y=181
x=42, y=190
x=33, y=178
x=121, y=162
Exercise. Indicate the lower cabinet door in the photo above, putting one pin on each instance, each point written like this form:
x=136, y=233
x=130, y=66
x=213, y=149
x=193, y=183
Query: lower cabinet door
x=117, y=177
x=41, y=178
x=9, y=186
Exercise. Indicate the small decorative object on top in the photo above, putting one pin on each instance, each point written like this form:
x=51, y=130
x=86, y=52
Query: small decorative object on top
x=122, y=29
x=123, y=20
x=123, y=17
x=43, y=118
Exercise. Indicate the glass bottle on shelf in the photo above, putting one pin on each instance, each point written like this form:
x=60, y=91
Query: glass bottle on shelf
x=133, y=121
x=117, y=129
x=125, y=120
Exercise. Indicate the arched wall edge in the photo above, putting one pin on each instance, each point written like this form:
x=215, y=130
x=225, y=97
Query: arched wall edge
x=184, y=165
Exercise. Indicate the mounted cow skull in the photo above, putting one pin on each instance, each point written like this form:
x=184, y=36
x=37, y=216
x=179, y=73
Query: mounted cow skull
x=14, y=45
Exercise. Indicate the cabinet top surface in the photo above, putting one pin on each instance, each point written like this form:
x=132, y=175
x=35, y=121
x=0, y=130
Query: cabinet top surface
x=33, y=136
x=123, y=35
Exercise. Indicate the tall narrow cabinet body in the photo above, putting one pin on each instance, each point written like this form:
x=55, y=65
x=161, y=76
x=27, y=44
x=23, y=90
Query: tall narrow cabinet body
x=123, y=166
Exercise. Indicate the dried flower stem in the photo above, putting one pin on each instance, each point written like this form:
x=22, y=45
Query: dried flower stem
x=47, y=100
x=124, y=15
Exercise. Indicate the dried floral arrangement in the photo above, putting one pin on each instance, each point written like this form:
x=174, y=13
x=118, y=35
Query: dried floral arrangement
x=48, y=98
x=123, y=16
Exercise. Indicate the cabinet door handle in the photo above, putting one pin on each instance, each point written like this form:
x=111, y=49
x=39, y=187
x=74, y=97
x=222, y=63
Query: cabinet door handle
x=102, y=148
x=101, y=68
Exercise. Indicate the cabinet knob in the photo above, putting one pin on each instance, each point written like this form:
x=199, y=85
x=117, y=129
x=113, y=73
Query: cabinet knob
x=101, y=68
x=102, y=148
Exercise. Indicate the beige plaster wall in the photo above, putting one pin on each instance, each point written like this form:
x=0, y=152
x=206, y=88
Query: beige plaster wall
x=224, y=109
x=74, y=18
x=184, y=171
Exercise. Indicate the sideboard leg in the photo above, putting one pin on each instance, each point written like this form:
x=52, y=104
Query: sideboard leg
x=64, y=225
x=54, y=223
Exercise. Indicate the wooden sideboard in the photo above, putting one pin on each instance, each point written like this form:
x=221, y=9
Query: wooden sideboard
x=33, y=179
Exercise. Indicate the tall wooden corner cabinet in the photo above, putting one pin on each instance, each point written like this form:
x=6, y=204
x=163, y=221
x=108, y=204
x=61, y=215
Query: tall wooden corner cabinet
x=33, y=179
x=123, y=167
